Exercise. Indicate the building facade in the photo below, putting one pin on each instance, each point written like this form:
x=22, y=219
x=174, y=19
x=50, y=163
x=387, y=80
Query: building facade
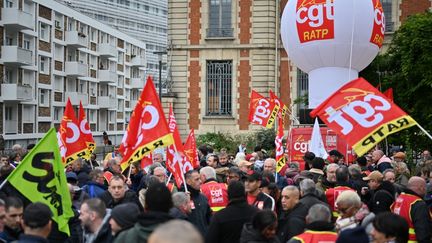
x=145, y=20
x=50, y=52
x=223, y=49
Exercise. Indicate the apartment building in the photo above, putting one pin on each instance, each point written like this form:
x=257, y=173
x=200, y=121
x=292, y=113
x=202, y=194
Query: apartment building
x=50, y=52
x=222, y=49
x=145, y=20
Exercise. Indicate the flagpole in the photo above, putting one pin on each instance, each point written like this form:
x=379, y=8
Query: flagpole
x=424, y=130
x=181, y=169
x=169, y=178
x=3, y=183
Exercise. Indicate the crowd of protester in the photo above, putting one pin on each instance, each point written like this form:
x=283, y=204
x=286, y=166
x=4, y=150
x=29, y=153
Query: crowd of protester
x=232, y=198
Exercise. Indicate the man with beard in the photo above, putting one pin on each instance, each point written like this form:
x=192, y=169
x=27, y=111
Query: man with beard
x=14, y=212
x=95, y=221
x=329, y=180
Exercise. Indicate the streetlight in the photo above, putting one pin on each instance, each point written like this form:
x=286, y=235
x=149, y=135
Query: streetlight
x=160, y=53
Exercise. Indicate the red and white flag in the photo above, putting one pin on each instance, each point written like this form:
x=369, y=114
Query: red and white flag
x=86, y=132
x=283, y=109
x=147, y=160
x=175, y=160
x=71, y=142
x=362, y=115
x=147, y=130
x=280, y=153
x=262, y=111
x=190, y=150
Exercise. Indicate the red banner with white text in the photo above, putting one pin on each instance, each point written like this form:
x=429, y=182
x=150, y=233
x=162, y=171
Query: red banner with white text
x=85, y=132
x=262, y=111
x=362, y=115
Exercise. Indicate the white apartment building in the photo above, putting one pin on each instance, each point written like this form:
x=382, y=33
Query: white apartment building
x=145, y=20
x=49, y=52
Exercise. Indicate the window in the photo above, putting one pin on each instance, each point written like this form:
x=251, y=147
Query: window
x=44, y=65
x=9, y=41
x=58, y=83
x=220, y=19
x=112, y=116
x=43, y=97
x=302, y=87
x=26, y=44
x=387, y=7
x=58, y=113
x=9, y=113
x=28, y=113
x=44, y=32
x=8, y=76
x=9, y=4
x=219, y=85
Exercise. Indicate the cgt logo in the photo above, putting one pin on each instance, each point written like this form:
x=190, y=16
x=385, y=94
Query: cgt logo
x=262, y=111
x=378, y=30
x=315, y=20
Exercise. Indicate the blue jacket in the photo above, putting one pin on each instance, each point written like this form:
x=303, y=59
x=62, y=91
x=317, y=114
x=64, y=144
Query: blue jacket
x=94, y=189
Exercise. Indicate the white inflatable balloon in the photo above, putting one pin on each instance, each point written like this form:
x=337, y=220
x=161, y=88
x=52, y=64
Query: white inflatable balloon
x=320, y=35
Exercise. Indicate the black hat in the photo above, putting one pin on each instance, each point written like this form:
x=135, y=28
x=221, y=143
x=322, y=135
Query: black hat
x=254, y=176
x=318, y=163
x=236, y=189
x=125, y=215
x=37, y=215
x=336, y=153
x=309, y=156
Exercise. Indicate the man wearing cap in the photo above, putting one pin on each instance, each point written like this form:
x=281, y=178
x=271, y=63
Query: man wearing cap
x=227, y=224
x=245, y=166
x=382, y=193
x=216, y=193
x=411, y=206
x=254, y=195
x=123, y=217
x=36, y=223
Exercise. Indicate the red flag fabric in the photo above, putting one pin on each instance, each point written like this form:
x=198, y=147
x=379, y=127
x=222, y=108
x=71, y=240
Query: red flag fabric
x=175, y=159
x=71, y=142
x=361, y=106
x=190, y=150
x=262, y=111
x=283, y=109
x=85, y=131
x=280, y=155
x=389, y=94
x=147, y=160
x=147, y=129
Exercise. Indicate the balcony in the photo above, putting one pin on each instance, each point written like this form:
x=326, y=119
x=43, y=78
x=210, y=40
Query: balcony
x=16, y=19
x=76, y=97
x=76, y=69
x=11, y=127
x=107, y=102
x=137, y=83
x=17, y=56
x=107, y=50
x=220, y=33
x=76, y=39
x=138, y=61
x=107, y=76
x=16, y=92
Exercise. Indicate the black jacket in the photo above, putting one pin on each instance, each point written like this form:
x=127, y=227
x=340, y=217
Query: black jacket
x=201, y=212
x=31, y=239
x=310, y=199
x=130, y=197
x=104, y=235
x=264, y=201
x=291, y=222
x=316, y=226
x=177, y=214
x=421, y=220
x=251, y=235
x=382, y=198
x=227, y=224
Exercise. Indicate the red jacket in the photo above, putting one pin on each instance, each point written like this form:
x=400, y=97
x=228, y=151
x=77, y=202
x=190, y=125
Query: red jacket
x=216, y=194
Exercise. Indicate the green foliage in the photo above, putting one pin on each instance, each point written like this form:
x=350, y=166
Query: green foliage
x=263, y=137
x=407, y=68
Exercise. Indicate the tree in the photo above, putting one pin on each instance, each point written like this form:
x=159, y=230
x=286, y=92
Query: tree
x=407, y=68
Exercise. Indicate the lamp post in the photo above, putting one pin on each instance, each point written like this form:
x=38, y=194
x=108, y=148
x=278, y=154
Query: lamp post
x=160, y=53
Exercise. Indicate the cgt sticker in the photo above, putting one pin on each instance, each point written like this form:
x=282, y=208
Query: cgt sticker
x=378, y=30
x=315, y=20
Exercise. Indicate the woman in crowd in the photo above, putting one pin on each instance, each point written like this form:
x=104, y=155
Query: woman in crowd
x=262, y=229
x=389, y=227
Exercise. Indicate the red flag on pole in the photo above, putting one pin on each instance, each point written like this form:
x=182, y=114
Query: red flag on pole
x=190, y=150
x=362, y=115
x=283, y=109
x=85, y=131
x=262, y=111
x=147, y=160
x=71, y=142
x=280, y=155
x=389, y=94
x=147, y=129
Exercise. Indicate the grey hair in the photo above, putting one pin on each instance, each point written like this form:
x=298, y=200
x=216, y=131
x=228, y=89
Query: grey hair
x=208, y=172
x=350, y=198
x=318, y=212
x=179, y=199
x=332, y=165
x=179, y=231
x=307, y=186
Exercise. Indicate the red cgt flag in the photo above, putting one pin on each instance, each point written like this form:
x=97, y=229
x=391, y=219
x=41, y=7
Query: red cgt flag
x=280, y=155
x=147, y=129
x=86, y=132
x=362, y=115
x=283, y=108
x=175, y=160
x=389, y=94
x=147, y=160
x=262, y=111
x=71, y=141
x=190, y=150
